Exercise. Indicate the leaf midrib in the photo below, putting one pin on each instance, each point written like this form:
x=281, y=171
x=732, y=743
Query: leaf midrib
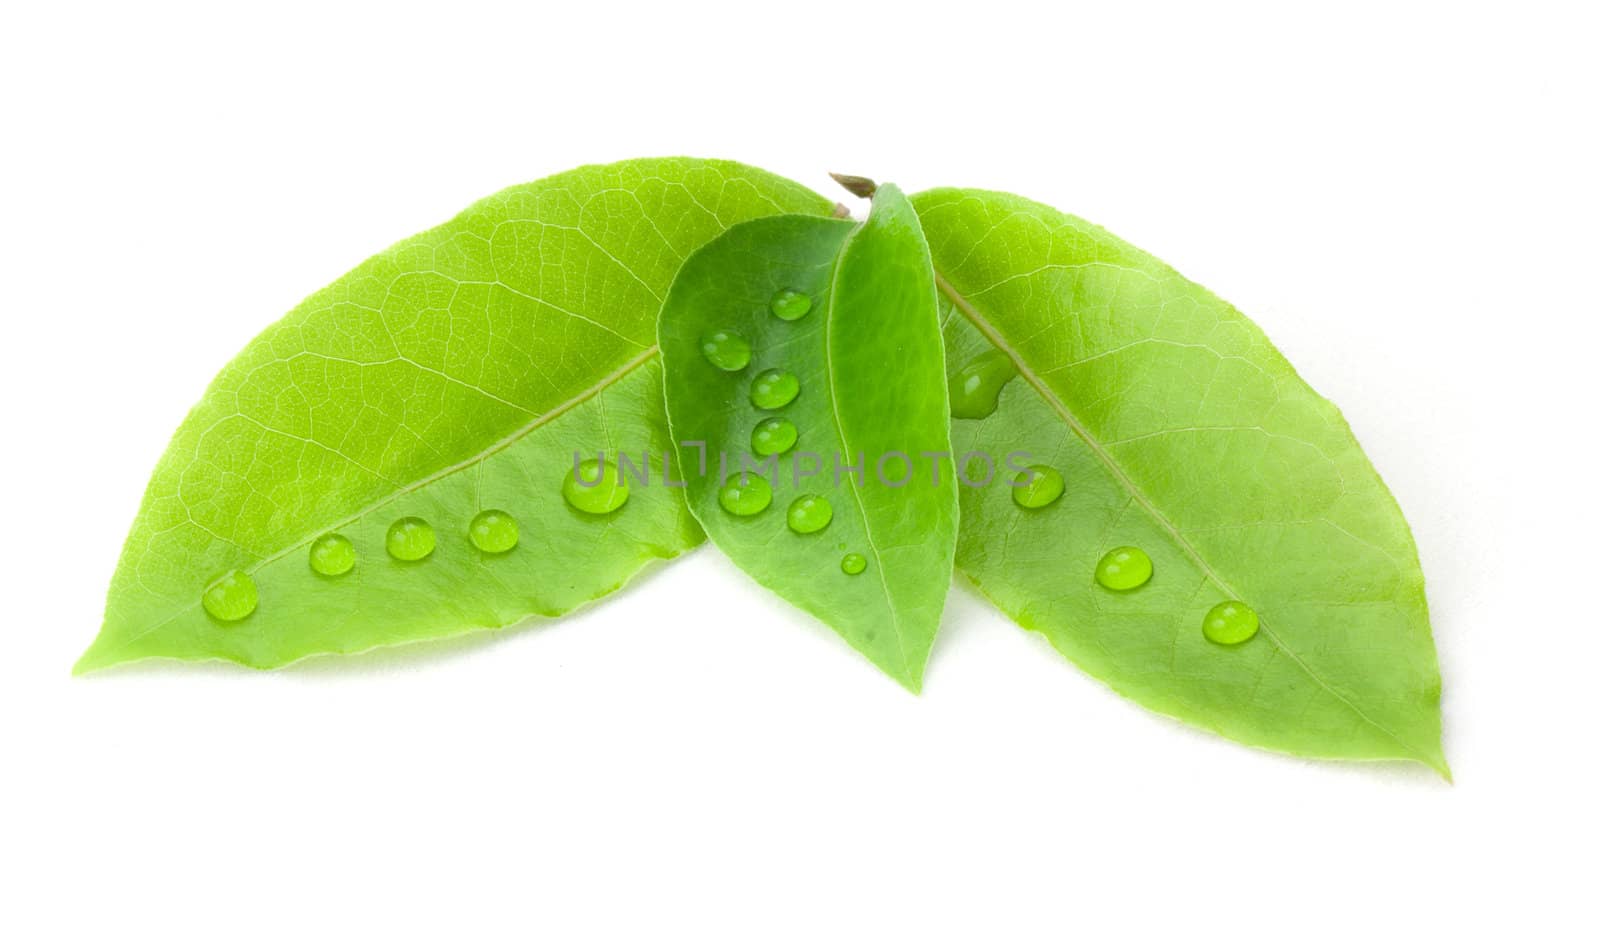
x=628, y=367
x=990, y=332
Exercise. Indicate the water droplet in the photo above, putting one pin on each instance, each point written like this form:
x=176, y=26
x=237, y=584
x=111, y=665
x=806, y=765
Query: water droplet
x=1044, y=485
x=773, y=436
x=810, y=513
x=493, y=531
x=975, y=389
x=726, y=349
x=601, y=489
x=332, y=555
x=790, y=304
x=853, y=563
x=410, y=539
x=774, y=389
x=230, y=597
x=1123, y=568
x=1230, y=622
x=745, y=494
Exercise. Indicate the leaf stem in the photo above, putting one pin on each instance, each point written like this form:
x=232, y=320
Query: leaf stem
x=863, y=187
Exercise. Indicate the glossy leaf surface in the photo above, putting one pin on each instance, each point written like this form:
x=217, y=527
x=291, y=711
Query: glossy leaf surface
x=1180, y=430
x=869, y=364
x=458, y=371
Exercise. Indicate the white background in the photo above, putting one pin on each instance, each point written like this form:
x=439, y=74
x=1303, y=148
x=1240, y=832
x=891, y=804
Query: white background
x=1403, y=195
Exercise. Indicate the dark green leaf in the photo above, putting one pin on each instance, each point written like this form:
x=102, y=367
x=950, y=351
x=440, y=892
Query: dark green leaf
x=868, y=362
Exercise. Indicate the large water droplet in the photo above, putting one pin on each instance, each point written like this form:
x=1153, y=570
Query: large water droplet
x=810, y=513
x=601, y=489
x=1230, y=622
x=493, y=531
x=410, y=539
x=774, y=389
x=745, y=494
x=773, y=436
x=1123, y=568
x=853, y=563
x=975, y=389
x=332, y=555
x=230, y=597
x=1044, y=485
x=790, y=304
x=726, y=349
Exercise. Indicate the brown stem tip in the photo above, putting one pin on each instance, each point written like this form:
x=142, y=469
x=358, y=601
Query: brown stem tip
x=860, y=186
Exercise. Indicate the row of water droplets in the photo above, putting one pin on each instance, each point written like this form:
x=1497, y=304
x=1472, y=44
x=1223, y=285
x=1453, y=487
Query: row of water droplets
x=233, y=596
x=1128, y=568
x=749, y=493
x=975, y=394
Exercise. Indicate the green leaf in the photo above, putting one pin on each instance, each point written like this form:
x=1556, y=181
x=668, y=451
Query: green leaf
x=456, y=372
x=870, y=368
x=1180, y=430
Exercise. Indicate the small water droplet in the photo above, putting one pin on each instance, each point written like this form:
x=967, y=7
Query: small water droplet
x=1230, y=622
x=332, y=555
x=726, y=349
x=230, y=597
x=493, y=531
x=601, y=490
x=853, y=563
x=745, y=494
x=1123, y=568
x=410, y=539
x=773, y=436
x=810, y=513
x=774, y=389
x=1044, y=485
x=975, y=389
x=790, y=304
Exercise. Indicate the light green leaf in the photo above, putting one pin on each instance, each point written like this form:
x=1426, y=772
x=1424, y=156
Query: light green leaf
x=869, y=365
x=454, y=373
x=1179, y=430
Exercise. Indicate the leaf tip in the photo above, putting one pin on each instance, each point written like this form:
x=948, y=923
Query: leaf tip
x=863, y=187
x=100, y=654
x=908, y=674
x=1431, y=753
x=89, y=662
